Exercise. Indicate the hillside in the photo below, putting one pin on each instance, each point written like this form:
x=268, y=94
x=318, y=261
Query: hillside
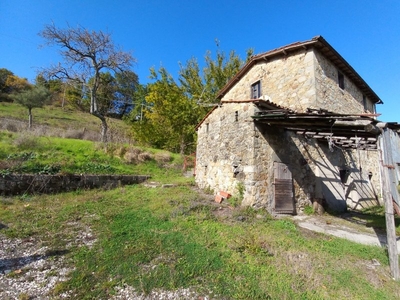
x=57, y=121
x=149, y=242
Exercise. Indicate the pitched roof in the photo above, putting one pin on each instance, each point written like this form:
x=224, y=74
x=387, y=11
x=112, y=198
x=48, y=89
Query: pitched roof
x=322, y=46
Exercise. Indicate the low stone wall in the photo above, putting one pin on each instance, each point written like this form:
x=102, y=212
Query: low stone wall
x=48, y=184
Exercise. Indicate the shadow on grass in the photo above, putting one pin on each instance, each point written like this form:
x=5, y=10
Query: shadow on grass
x=373, y=218
x=8, y=265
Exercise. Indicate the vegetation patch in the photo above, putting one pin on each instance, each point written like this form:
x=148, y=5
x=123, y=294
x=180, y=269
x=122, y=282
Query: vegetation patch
x=177, y=238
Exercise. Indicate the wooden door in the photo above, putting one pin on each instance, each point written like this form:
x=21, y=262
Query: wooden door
x=283, y=189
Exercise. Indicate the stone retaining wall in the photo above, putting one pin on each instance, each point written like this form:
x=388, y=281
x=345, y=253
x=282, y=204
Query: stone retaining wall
x=48, y=184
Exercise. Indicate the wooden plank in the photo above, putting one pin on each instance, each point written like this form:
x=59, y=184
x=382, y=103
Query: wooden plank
x=389, y=213
x=283, y=189
x=283, y=196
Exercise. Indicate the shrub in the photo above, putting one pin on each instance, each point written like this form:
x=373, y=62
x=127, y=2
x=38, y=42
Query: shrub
x=131, y=155
x=162, y=158
x=26, y=141
x=144, y=156
x=120, y=151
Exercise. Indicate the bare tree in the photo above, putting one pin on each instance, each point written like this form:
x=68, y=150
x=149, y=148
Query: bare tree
x=85, y=54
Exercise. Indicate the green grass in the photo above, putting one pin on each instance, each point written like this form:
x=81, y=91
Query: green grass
x=55, y=116
x=375, y=217
x=21, y=153
x=170, y=238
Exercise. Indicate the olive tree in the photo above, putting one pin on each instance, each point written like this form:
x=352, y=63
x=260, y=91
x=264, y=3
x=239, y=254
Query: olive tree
x=32, y=97
x=85, y=55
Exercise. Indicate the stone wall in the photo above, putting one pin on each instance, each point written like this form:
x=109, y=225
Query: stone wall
x=231, y=152
x=288, y=81
x=225, y=153
x=301, y=80
x=32, y=184
x=333, y=98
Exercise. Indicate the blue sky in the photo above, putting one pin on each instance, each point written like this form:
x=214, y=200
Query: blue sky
x=164, y=33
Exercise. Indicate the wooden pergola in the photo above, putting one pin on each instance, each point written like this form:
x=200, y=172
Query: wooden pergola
x=345, y=131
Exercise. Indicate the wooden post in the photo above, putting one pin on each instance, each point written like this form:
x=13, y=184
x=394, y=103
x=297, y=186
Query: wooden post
x=387, y=178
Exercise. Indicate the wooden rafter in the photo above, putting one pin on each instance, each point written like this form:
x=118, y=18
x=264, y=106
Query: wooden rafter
x=343, y=130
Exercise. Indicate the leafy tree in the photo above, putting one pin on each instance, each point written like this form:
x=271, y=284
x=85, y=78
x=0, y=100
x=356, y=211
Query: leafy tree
x=74, y=95
x=55, y=86
x=36, y=96
x=105, y=92
x=4, y=88
x=139, y=105
x=172, y=111
x=170, y=116
x=127, y=93
x=16, y=84
x=204, y=85
x=85, y=55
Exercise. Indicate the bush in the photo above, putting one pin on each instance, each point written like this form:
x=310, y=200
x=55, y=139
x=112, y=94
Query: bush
x=131, y=155
x=120, y=151
x=144, y=156
x=26, y=141
x=162, y=158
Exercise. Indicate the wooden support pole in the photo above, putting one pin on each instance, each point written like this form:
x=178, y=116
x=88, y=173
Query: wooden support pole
x=386, y=155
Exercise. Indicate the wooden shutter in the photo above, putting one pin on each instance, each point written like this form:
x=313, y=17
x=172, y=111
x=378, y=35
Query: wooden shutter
x=255, y=90
x=283, y=189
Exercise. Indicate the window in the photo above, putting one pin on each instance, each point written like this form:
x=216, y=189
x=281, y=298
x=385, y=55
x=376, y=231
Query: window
x=368, y=105
x=256, y=90
x=341, y=80
x=365, y=102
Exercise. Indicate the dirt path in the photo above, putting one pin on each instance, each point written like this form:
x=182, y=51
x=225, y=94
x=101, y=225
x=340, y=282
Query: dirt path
x=345, y=227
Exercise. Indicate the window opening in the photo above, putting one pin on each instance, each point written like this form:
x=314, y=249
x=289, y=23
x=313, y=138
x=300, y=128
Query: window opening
x=341, y=80
x=256, y=90
x=365, y=102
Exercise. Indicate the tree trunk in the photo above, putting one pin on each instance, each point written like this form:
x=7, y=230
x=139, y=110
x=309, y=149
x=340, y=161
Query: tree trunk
x=104, y=129
x=30, y=117
x=94, y=111
x=182, y=146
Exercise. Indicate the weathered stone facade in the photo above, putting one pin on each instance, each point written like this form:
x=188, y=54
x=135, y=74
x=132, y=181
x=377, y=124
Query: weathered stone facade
x=225, y=153
x=330, y=96
x=234, y=150
x=289, y=81
x=305, y=79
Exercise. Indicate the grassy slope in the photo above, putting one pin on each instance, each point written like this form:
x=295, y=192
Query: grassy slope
x=21, y=153
x=51, y=116
x=56, y=117
x=170, y=238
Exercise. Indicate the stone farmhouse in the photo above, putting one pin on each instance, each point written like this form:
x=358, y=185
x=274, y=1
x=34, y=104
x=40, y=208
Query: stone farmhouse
x=296, y=126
